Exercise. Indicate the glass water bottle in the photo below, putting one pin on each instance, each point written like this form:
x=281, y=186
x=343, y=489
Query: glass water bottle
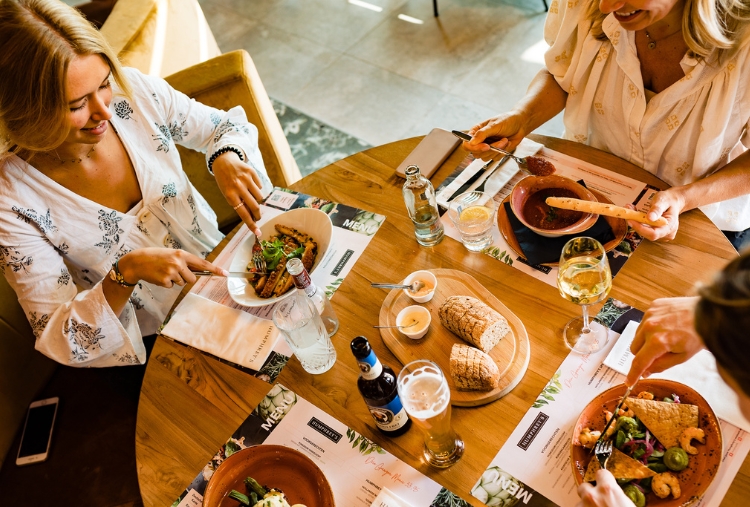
x=318, y=296
x=419, y=196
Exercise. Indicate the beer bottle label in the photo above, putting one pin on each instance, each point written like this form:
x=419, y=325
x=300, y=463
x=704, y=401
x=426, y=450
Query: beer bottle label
x=370, y=367
x=389, y=417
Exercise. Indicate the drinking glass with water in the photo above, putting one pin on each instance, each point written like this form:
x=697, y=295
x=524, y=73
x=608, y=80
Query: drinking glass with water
x=303, y=329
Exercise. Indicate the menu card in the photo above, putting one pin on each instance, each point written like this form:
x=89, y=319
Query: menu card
x=534, y=463
x=621, y=190
x=353, y=230
x=357, y=469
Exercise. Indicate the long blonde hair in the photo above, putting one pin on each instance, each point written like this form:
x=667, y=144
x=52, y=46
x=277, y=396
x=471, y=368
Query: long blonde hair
x=38, y=41
x=706, y=24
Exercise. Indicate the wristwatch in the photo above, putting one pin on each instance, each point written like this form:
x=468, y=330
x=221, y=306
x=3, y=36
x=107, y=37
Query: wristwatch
x=117, y=277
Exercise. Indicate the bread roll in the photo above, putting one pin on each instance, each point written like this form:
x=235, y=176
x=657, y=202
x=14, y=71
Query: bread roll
x=472, y=369
x=473, y=321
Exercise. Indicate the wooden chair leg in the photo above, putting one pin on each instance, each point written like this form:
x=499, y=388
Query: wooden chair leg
x=435, y=9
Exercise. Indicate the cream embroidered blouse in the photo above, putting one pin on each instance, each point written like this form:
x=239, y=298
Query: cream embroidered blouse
x=686, y=132
x=56, y=246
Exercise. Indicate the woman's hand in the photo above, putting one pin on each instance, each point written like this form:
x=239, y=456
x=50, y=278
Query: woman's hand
x=665, y=337
x=668, y=204
x=163, y=266
x=504, y=131
x=241, y=187
x=606, y=493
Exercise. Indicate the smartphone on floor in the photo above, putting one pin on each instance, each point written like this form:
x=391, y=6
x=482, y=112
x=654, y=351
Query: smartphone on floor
x=37, y=431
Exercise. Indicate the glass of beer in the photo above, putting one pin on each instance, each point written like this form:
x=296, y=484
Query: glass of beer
x=425, y=395
x=584, y=278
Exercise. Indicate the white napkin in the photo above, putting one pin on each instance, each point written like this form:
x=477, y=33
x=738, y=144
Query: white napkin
x=445, y=194
x=386, y=498
x=227, y=333
x=699, y=372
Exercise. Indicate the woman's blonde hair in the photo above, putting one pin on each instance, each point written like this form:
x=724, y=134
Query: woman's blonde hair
x=38, y=41
x=706, y=24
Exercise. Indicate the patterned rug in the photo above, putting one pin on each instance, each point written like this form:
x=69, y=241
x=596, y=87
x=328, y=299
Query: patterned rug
x=314, y=144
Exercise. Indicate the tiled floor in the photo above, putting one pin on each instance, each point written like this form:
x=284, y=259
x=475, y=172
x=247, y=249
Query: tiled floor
x=380, y=78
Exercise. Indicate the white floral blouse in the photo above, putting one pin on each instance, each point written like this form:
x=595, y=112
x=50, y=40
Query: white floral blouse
x=686, y=132
x=56, y=246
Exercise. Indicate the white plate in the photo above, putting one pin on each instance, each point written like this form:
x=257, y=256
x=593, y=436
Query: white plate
x=313, y=222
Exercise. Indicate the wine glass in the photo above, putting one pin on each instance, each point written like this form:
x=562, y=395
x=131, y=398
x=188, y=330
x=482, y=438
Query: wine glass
x=584, y=278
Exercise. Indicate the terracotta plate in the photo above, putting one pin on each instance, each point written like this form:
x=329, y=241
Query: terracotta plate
x=703, y=467
x=618, y=225
x=272, y=466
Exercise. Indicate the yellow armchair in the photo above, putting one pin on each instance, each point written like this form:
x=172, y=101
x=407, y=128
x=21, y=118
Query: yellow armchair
x=224, y=82
x=159, y=37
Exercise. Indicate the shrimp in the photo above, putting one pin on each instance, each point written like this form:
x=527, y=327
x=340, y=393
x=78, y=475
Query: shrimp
x=689, y=434
x=588, y=438
x=626, y=412
x=611, y=429
x=645, y=395
x=665, y=482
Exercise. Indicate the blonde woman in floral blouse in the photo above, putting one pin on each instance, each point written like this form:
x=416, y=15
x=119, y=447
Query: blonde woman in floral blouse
x=660, y=83
x=99, y=225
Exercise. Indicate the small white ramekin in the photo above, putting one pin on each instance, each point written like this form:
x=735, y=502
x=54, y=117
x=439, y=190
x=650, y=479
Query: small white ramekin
x=415, y=333
x=428, y=278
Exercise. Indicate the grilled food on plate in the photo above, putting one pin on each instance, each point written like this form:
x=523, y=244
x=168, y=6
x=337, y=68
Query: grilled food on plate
x=279, y=248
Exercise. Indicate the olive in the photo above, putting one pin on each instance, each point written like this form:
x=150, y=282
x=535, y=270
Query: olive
x=675, y=458
x=635, y=495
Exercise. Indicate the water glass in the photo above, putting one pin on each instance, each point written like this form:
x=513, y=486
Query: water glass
x=303, y=329
x=426, y=397
x=473, y=213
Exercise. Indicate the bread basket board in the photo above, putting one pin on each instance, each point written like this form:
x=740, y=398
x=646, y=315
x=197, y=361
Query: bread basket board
x=511, y=354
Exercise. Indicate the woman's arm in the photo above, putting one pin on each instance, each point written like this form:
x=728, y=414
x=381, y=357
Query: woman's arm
x=733, y=180
x=543, y=100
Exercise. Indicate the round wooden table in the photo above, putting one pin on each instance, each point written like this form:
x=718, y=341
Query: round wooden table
x=190, y=403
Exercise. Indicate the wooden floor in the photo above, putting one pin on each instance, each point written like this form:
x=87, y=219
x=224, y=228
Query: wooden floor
x=92, y=458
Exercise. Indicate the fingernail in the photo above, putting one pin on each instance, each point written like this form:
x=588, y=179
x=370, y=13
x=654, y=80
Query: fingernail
x=224, y=272
x=257, y=232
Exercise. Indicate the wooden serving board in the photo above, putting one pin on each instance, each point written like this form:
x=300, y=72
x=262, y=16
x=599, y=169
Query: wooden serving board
x=511, y=354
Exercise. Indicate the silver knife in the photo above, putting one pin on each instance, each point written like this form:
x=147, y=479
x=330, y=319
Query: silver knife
x=231, y=274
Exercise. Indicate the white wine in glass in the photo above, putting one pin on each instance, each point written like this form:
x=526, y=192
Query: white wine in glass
x=584, y=278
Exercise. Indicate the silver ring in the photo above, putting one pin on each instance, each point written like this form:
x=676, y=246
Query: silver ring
x=242, y=203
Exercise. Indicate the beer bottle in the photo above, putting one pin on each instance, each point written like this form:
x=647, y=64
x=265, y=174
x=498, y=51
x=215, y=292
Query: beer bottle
x=316, y=294
x=377, y=385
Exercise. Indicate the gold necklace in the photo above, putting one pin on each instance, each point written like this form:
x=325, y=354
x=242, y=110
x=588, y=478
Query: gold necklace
x=76, y=160
x=652, y=42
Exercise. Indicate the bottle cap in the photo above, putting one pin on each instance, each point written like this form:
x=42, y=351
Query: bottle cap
x=360, y=347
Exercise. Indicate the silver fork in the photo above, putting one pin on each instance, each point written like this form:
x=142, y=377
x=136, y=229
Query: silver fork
x=602, y=451
x=259, y=262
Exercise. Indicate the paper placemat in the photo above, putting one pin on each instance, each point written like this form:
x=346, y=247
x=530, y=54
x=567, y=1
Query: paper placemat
x=353, y=230
x=534, y=463
x=356, y=468
x=621, y=190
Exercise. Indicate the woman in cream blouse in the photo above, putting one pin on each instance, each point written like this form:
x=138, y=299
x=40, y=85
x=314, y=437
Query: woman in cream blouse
x=663, y=84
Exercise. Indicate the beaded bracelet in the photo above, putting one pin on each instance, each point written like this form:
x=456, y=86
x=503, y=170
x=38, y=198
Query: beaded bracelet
x=117, y=277
x=221, y=151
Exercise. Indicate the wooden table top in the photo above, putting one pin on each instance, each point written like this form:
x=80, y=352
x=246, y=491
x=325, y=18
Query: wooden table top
x=190, y=403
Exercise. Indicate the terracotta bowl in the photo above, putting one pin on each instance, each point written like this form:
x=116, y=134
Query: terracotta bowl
x=533, y=184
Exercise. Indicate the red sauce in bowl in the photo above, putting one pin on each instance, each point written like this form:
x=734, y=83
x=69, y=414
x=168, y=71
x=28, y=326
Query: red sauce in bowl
x=542, y=216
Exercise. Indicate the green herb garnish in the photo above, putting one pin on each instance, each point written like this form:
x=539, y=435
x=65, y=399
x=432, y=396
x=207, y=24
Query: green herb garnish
x=273, y=253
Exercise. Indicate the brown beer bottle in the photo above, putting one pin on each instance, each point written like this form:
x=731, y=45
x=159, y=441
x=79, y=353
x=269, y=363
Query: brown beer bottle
x=377, y=385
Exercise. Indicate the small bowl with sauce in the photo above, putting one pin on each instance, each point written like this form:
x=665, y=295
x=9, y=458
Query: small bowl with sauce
x=528, y=203
x=411, y=314
x=425, y=293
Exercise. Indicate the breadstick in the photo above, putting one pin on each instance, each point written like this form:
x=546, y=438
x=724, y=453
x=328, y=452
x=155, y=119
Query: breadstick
x=600, y=208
